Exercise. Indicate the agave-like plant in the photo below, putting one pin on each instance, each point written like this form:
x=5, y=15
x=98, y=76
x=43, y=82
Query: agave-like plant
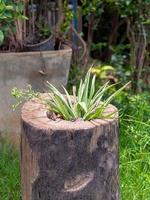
x=85, y=103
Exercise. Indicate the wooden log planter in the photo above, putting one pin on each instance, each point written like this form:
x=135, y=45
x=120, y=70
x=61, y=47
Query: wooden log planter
x=64, y=160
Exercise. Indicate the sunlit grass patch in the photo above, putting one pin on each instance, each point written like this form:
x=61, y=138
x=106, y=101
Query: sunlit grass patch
x=9, y=172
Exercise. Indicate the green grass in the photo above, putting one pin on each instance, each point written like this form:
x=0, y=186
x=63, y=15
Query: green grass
x=134, y=153
x=135, y=148
x=9, y=172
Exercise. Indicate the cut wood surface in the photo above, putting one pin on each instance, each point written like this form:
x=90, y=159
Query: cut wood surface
x=63, y=160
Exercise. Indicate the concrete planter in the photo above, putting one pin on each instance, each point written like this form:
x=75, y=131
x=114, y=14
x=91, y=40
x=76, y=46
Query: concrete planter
x=34, y=68
x=66, y=160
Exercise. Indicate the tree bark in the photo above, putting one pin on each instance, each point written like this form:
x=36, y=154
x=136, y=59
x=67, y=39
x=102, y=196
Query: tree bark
x=62, y=160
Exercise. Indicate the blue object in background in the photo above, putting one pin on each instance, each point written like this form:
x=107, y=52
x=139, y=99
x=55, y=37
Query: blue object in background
x=75, y=23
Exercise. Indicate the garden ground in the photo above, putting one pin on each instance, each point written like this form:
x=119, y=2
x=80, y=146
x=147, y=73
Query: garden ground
x=134, y=153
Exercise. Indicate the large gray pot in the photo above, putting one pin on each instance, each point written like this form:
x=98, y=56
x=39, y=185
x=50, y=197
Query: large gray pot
x=21, y=69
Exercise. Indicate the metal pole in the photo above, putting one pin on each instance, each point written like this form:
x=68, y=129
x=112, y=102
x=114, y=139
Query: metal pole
x=75, y=23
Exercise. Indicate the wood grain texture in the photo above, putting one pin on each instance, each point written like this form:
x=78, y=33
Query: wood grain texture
x=63, y=160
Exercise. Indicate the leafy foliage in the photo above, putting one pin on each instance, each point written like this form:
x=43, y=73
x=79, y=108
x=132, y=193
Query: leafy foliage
x=89, y=7
x=68, y=17
x=9, y=12
x=102, y=71
x=23, y=95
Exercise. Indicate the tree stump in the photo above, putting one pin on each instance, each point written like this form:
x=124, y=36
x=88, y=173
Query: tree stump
x=62, y=160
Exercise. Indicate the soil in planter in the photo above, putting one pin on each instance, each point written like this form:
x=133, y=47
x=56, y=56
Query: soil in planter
x=54, y=116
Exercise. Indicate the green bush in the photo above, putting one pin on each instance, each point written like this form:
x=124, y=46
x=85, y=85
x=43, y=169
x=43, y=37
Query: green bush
x=9, y=12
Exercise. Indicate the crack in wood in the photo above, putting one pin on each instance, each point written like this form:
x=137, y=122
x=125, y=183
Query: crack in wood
x=78, y=183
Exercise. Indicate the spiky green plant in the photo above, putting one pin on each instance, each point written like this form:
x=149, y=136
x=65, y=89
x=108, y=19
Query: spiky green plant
x=86, y=103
